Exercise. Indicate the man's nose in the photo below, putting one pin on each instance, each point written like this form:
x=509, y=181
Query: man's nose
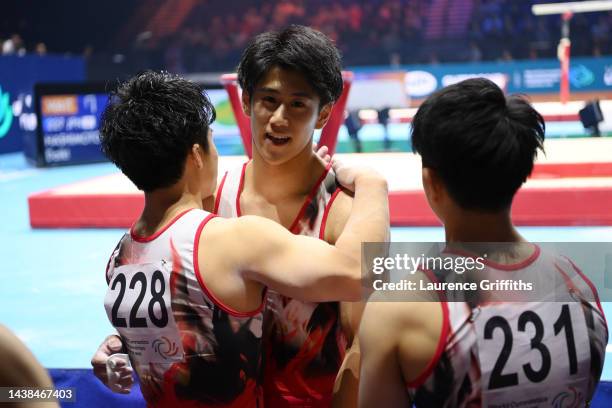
x=278, y=116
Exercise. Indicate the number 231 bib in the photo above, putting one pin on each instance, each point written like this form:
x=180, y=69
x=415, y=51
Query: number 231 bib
x=533, y=354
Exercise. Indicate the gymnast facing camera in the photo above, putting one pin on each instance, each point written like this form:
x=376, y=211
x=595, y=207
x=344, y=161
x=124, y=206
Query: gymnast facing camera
x=290, y=80
x=477, y=148
x=187, y=288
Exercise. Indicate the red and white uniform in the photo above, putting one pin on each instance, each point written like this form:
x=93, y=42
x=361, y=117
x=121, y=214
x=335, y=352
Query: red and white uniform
x=303, y=342
x=188, y=349
x=512, y=354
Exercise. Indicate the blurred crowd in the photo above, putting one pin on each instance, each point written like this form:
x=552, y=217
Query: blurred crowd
x=365, y=32
x=525, y=36
x=384, y=32
x=376, y=32
x=14, y=45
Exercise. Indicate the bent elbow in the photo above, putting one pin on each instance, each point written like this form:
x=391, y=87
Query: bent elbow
x=352, y=286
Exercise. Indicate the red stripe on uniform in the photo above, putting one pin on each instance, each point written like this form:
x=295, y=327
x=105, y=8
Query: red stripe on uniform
x=219, y=192
x=207, y=292
x=311, y=195
x=240, y=187
x=420, y=380
x=590, y=284
x=326, y=213
x=150, y=238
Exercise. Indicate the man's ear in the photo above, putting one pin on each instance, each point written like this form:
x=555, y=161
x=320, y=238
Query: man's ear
x=246, y=103
x=324, y=115
x=197, y=155
x=432, y=184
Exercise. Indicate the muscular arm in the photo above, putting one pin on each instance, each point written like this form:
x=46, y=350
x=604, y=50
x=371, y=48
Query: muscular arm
x=259, y=250
x=297, y=266
x=346, y=385
x=382, y=383
x=398, y=341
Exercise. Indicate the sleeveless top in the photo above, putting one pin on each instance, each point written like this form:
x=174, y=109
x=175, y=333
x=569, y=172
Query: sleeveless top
x=304, y=344
x=188, y=348
x=546, y=353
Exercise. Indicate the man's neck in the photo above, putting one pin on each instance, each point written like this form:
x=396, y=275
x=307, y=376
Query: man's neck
x=162, y=206
x=471, y=226
x=293, y=178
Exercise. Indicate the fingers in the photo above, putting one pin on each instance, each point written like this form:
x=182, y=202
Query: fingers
x=115, y=373
x=111, y=345
x=323, y=155
x=122, y=382
x=118, y=364
x=322, y=152
x=120, y=375
x=114, y=344
x=337, y=165
x=98, y=361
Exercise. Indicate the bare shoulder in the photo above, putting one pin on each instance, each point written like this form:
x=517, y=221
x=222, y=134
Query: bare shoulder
x=237, y=237
x=216, y=241
x=422, y=327
x=234, y=228
x=411, y=330
x=338, y=215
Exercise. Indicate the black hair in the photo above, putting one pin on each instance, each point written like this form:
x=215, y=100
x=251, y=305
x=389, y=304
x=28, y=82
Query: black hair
x=298, y=48
x=150, y=124
x=481, y=143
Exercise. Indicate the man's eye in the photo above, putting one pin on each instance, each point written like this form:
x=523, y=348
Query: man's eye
x=298, y=104
x=269, y=99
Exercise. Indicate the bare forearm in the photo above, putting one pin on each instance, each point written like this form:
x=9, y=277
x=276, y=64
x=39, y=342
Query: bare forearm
x=319, y=272
x=369, y=217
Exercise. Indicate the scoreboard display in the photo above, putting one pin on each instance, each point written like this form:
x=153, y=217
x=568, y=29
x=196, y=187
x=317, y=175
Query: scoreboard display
x=69, y=125
x=68, y=117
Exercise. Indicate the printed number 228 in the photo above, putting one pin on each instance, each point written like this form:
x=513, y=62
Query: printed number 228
x=157, y=297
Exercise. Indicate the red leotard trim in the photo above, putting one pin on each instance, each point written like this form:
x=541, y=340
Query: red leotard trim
x=205, y=289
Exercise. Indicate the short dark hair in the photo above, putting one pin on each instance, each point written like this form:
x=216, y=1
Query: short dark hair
x=298, y=48
x=150, y=124
x=481, y=143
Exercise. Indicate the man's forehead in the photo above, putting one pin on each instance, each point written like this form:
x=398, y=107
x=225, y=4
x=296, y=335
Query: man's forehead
x=282, y=81
x=280, y=89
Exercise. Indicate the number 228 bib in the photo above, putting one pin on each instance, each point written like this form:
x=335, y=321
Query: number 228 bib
x=138, y=304
x=533, y=354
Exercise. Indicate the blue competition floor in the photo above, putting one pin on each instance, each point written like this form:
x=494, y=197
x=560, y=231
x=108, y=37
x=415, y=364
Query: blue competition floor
x=53, y=280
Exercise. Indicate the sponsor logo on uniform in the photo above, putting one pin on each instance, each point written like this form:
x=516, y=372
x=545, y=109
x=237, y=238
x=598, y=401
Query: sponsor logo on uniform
x=165, y=348
x=572, y=398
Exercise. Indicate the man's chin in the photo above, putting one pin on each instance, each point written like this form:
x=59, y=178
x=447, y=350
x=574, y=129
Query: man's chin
x=275, y=160
x=275, y=157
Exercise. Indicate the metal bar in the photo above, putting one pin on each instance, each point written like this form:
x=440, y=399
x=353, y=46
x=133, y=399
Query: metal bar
x=573, y=6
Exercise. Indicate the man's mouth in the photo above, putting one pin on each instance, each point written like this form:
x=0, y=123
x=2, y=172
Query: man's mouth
x=277, y=140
